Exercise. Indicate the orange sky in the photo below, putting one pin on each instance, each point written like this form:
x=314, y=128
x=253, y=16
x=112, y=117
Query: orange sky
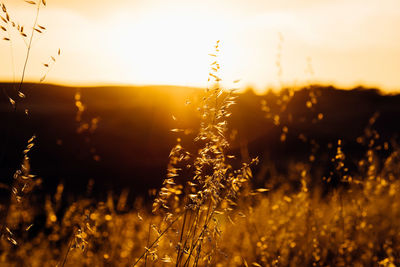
x=349, y=42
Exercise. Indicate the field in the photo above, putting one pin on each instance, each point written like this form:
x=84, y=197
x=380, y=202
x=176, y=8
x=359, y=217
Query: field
x=188, y=176
x=309, y=200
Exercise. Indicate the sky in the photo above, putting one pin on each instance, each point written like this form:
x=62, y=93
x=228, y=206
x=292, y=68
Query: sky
x=344, y=42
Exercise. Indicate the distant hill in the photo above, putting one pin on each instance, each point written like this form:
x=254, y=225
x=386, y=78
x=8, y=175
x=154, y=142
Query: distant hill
x=132, y=141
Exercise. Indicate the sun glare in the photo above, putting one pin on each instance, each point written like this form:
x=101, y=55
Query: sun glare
x=155, y=42
x=171, y=47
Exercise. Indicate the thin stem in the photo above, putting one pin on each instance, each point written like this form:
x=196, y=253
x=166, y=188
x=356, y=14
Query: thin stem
x=196, y=261
x=158, y=238
x=15, y=109
x=29, y=48
x=147, y=243
x=181, y=237
x=191, y=233
x=200, y=237
x=208, y=219
x=69, y=248
x=12, y=57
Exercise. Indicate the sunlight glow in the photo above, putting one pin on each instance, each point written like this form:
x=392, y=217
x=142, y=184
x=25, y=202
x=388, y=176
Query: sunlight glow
x=155, y=42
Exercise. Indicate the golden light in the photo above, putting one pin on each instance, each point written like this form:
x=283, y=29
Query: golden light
x=166, y=46
x=167, y=42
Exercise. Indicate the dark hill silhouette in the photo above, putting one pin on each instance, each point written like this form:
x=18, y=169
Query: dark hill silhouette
x=133, y=138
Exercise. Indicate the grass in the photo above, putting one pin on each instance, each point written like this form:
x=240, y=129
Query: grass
x=23, y=182
x=355, y=226
x=207, y=212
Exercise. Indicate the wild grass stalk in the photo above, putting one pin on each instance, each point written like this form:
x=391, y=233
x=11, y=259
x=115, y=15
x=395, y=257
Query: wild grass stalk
x=9, y=21
x=214, y=183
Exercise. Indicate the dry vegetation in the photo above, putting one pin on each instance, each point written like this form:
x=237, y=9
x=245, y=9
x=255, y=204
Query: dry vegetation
x=206, y=213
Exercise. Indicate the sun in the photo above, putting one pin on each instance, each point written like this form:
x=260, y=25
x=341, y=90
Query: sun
x=171, y=46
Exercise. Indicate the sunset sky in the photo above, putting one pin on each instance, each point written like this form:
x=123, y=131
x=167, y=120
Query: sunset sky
x=348, y=42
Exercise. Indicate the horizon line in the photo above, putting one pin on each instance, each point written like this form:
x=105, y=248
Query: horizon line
x=243, y=88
